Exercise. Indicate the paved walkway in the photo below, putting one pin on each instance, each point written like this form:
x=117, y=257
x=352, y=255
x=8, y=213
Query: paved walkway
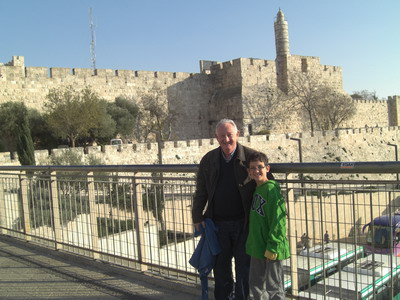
x=31, y=272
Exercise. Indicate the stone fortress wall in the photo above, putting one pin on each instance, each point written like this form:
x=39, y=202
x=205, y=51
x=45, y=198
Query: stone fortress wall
x=31, y=85
x=372, y=113
x=199, y=100
x=348, y=145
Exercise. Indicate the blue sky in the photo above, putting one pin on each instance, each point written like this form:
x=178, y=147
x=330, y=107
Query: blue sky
x=361, y=36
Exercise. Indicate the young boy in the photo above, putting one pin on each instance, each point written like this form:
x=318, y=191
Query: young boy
x=266, y=243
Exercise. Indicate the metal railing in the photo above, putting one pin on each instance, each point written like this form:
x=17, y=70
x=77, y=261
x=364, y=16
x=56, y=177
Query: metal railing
x=139, y=216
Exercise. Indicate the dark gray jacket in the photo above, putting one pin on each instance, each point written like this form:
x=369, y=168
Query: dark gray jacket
x=207, y=178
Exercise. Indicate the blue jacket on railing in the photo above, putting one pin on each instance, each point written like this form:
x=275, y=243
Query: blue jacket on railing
x=204, y=256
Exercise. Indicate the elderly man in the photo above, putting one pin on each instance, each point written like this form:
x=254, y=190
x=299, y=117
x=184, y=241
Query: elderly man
x=224, y=188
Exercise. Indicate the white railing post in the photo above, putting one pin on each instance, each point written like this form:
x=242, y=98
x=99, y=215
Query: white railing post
x=24, y=198
x=139, y=223
x=93, y=216
x=55, y=208
x=2, y=209
x=292, y=236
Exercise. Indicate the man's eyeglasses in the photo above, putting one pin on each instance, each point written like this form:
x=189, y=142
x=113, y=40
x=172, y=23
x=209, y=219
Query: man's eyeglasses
x=259, y=168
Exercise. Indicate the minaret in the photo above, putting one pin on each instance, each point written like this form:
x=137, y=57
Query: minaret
x=282, y=50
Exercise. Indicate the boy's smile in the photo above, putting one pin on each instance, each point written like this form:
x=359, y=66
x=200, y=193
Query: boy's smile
x=258, y=171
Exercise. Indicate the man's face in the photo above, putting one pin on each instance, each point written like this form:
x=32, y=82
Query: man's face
x=227, y=138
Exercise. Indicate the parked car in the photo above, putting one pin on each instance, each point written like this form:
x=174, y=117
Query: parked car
x=116, y=142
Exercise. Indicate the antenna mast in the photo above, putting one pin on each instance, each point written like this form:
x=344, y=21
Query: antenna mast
x=92, y=43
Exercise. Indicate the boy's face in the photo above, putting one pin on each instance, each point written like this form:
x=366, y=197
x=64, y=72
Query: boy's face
x=258, y=171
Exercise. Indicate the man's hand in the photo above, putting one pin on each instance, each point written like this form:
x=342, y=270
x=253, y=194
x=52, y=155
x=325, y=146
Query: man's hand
x=197, y=226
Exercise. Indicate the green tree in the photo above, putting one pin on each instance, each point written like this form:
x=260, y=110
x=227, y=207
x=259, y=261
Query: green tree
x=9, y=124
x=105, y=127
x=75, y=114
x=15, y=130
x=25, y=149
x=124, y=112
x=67, y=157
x=42, y=135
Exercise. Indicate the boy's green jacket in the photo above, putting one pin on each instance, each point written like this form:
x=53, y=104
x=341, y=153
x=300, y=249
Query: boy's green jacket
x=267, y=227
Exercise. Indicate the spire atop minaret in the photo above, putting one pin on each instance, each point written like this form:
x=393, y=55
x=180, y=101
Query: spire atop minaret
x=280, y=17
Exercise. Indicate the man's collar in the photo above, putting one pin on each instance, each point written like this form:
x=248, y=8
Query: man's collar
x=230, y=155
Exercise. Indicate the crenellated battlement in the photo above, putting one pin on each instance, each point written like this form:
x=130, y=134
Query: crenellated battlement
x=312, y=63
x=243, y=63
x=327, y=68
x=37, y=73
x=60, y=73
x=394, y=98
x=225, y=66
x=259, y=65
x=360, y=144
x=16, y=71
x=377, y=101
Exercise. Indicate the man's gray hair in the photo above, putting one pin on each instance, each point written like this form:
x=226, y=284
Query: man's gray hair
x=224, y=121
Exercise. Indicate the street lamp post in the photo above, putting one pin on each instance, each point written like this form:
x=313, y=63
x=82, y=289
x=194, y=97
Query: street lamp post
x=300, y=160
x=300, y=151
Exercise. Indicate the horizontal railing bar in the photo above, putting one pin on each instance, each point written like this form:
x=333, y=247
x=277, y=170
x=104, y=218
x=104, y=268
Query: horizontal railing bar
x=185, y=168
x=383, y=167
x=103, y=178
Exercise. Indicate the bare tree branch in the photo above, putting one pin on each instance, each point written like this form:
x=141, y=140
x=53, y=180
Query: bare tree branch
x=325, y=107
x=155, y=118
x=333, y=109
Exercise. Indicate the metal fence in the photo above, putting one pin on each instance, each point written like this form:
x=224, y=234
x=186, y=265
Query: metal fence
x=140, y=217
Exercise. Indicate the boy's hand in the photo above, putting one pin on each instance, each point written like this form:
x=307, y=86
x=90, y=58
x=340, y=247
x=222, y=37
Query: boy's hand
x=270, y=255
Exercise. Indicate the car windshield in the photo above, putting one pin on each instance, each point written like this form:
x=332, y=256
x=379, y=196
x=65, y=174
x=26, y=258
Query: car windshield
x=116, y=142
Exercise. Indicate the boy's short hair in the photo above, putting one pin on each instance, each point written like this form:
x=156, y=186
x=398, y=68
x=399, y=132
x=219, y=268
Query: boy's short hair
x=257, y=156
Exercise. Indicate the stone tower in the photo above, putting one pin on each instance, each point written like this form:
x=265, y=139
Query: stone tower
x=394, y=110
x=282, y=50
